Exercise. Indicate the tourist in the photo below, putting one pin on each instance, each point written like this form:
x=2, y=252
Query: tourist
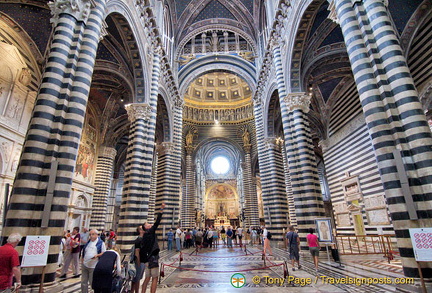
x=239, y=234
x=293, y=242
x=85, y=235
x=229, y=234
x=198, y=239
x=223, y=235
x=107, y=269
x=140, y=267
x=178, y=238
x=9, y=264
x=111, y=239
x=170, y=238
x=266, y=238
x=149, y=253
x=72, y=253
x=314, y=247
x=91, y=252
x=254, y=236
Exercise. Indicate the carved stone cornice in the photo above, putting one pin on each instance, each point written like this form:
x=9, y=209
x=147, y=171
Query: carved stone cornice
x=107, y=152
x=79, y=9
x=297, y=101
x=139, y=111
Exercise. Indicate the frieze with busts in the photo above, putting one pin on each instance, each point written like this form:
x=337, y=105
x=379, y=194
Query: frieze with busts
x=79, y=9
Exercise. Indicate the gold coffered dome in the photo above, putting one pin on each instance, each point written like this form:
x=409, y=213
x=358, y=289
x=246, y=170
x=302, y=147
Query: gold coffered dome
x=218, y=89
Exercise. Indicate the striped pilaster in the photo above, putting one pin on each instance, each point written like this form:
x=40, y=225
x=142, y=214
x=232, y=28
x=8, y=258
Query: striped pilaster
x=54, y=132
x=138, y=170
x=393, y=115
x=251, y=199
x=103, y=177
x=188, y=208
x=169, y=173
x=272, y=179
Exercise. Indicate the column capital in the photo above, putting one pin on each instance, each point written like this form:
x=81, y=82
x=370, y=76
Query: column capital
x=270, y=143
x=296, y=101
x=165, y=148
x=80, y=9
x=106, y=151
x=139, y=111
x=333, y=14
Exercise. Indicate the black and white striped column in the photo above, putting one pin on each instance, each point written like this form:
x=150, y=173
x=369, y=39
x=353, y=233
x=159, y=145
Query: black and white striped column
x=139, y=161
x=188, y=204
x=251, y=199
x=169, y=171
x=54, y=131
x=272, y=179
x=394, y=117
x=138, y=170
x=300, y=156
x=103, y=178
x=301, y=162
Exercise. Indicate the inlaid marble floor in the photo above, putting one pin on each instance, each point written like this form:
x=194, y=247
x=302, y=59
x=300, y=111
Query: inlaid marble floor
x=218, y=270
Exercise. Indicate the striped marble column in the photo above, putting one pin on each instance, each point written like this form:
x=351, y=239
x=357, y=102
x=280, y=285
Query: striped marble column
x=272, y=179
x=188, y=206
x=169, y=171
x=38, y=205
x=138, y=170
x=250, y=194
x=299, y=147
x=139, y=161
x=394, y=117
x=290, y=198
x=301, y=162
x=103, y=178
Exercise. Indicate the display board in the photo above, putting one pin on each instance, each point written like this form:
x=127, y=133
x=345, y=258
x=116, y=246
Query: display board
x=421, y=239
x=35, y=251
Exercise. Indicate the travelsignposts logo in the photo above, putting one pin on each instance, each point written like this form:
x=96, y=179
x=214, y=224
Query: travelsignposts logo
x=238, y=280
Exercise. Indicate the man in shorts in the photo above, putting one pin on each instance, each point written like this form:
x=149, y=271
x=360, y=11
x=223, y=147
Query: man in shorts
x=293, y=242
x=149, y=253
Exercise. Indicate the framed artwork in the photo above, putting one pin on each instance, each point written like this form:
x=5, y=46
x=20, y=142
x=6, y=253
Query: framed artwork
x=324, y=229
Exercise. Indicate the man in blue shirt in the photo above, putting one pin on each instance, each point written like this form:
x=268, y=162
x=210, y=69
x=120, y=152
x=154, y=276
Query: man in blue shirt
x=170, y=238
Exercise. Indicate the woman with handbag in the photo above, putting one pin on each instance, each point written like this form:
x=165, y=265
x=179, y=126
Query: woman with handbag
x=107, y=272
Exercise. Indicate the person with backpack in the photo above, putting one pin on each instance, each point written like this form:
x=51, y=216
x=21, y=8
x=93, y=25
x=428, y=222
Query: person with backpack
x=91, y=252
x=149, y=253
x=267, y=236
x=293, y=241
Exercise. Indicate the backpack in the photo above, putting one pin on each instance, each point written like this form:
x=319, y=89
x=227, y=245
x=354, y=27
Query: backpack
x=269, y=235
x=147, y=245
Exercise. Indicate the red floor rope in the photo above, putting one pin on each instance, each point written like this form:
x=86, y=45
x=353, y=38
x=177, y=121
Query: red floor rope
x=224, y=256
